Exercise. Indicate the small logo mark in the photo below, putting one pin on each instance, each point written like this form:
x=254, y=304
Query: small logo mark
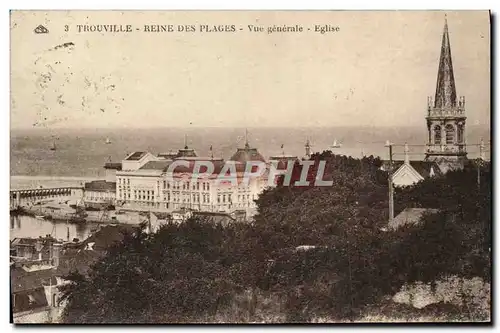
x=41, y=30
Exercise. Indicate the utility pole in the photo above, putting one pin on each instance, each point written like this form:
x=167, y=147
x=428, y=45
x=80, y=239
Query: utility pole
x=479, y=163
x=391, y=189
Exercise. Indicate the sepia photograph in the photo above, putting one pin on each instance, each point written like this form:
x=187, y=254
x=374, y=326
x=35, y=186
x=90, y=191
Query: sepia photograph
x=250, y=167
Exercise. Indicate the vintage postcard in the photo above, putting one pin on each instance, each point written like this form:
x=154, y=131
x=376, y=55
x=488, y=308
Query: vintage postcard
x=250, y=167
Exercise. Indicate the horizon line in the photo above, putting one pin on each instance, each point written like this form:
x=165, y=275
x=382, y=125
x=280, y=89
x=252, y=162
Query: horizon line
x=226, y=127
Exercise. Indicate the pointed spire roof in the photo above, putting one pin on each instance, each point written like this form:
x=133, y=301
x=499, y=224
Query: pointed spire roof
x=446, y=94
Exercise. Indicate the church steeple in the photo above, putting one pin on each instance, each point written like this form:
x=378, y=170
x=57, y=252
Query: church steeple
x=446, y=115
x=446, y=94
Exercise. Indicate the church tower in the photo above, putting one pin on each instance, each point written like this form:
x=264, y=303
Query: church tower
x=446, y=115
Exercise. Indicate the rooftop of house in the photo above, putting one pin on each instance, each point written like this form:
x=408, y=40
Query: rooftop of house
x=113, y=165
x=186, y=152
x=80, y=258
x=422, y=167
x=29, y=300
x=33, y=241
x=100, y=186
x=155, y=165
x=77, y=260
x=168, y=155
x=283, y=157
x=136, y=156
x=22, y=280
x=106, y=236
x=410, y=216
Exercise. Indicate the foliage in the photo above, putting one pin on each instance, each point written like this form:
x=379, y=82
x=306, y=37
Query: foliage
x=199, y=271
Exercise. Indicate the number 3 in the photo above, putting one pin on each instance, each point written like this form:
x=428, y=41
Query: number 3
x=66, y=28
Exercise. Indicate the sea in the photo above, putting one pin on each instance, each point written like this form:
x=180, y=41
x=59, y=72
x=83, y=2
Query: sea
x=81, y=153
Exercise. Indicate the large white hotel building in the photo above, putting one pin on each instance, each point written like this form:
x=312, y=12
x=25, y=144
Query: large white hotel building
x=143, y=183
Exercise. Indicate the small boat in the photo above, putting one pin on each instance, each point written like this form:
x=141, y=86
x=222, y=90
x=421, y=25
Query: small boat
x=53, y=146
x=108, y=141
x=40, y=217
x=336, y=145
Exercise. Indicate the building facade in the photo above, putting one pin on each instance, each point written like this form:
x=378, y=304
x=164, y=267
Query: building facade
x=99, y=194
x=144, y=183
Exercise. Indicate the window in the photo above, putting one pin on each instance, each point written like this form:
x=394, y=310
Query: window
x=460, y=134
x=450, y=134
x=437, y=135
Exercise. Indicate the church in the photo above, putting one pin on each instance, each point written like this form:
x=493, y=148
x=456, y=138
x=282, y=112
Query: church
x=445, y=119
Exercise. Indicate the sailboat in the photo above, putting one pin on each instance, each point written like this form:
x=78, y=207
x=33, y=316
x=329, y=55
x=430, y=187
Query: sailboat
x=335, y=144
x=108, y=141
x=53, y=146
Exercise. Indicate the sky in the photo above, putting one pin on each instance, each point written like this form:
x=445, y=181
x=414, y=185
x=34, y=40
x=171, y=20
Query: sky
x=377, y=70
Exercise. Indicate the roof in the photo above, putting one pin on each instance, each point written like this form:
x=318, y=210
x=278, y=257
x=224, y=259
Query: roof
x=100, y=186
x=283, y=157
x=113, y=165
x=446, y=94
x=169, y=155
x=155, y=165
x=247, y=154
x=214, y=217
x=136, y=156
x=22, y=280
x=410, y=216
x=29, y=300
x=186, y=152
x=217, y=163
x=23, y=241
x=44, y=241
x=422, y=167
x=77, y=260
x=106, y=236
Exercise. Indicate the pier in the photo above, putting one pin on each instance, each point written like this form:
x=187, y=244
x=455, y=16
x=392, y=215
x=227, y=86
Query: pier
x=19, y=198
